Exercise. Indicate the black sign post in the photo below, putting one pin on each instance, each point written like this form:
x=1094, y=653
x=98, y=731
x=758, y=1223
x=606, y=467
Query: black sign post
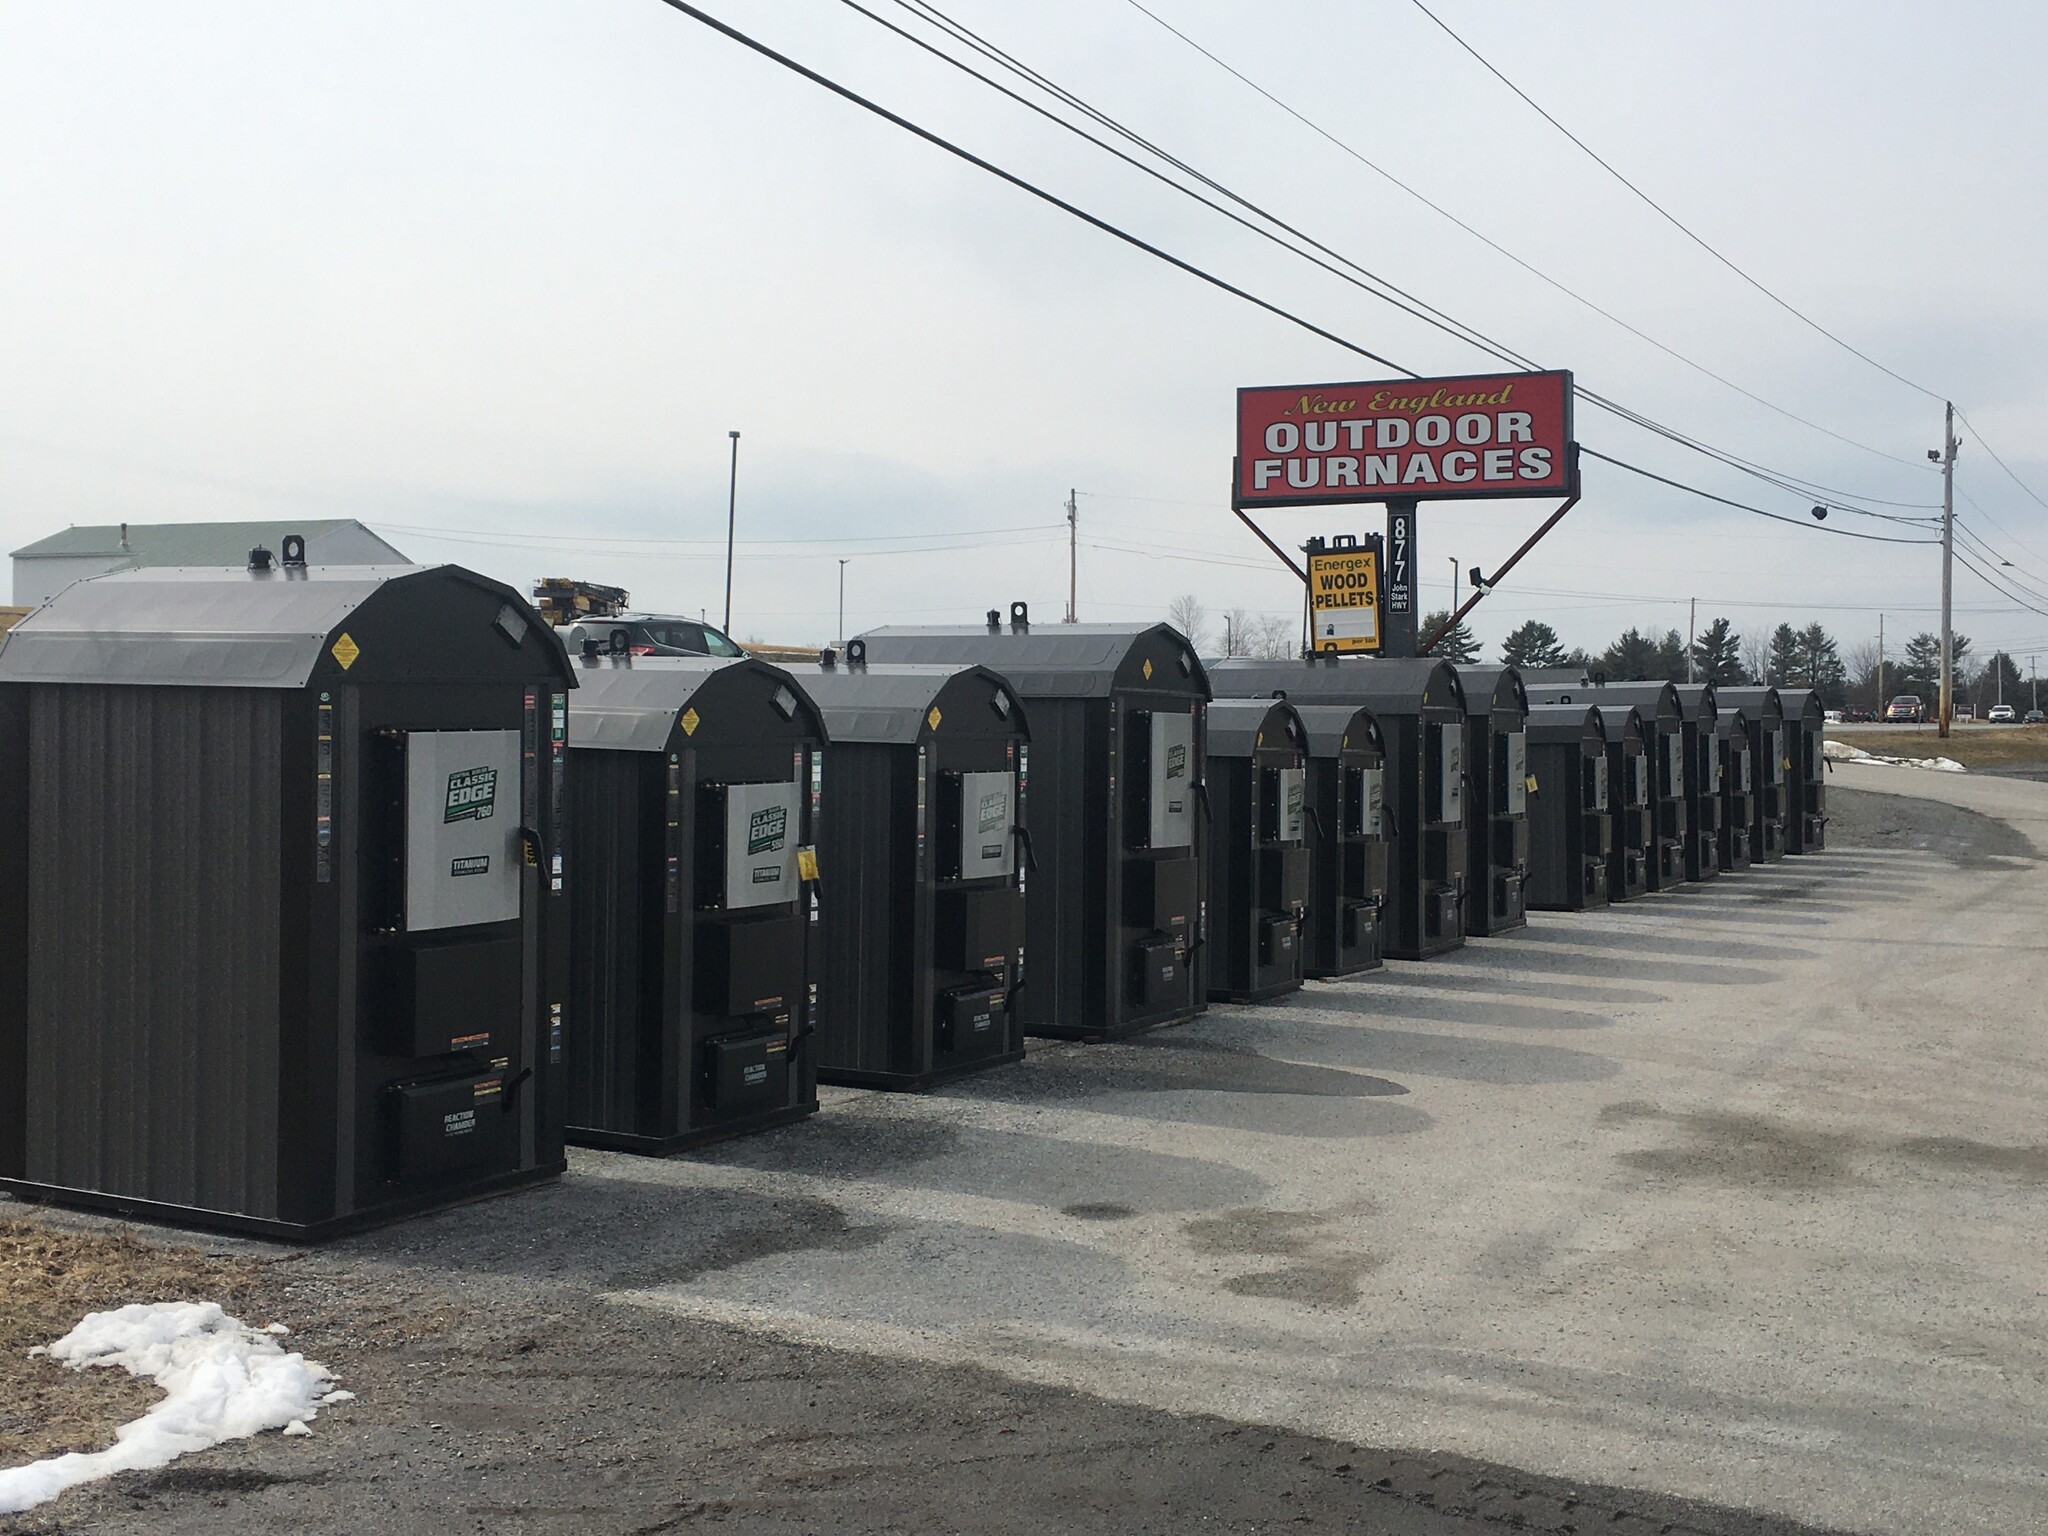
x=1399, y=636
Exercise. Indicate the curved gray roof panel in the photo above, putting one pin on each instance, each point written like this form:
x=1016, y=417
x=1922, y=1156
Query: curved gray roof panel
x=1329, y=725
x=1051, y=660
x=1236, y=726
x=633, y=703
x=891, y=703
x=1385, y=687
x=219, y=627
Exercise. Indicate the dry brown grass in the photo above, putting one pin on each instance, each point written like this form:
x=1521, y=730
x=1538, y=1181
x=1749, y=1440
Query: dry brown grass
x=49, y=1279
x=1984, y=746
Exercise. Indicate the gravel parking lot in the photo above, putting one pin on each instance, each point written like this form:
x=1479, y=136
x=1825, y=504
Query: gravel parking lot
x=1723, y=1211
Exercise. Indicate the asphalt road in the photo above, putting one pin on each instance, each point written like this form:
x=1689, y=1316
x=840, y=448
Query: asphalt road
x=1720, y=1212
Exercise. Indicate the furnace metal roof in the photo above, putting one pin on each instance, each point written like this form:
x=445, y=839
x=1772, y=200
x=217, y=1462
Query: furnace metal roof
x=1050, y=661
x=633, y=703
x=1565, y=722
x=1329, y=726
x=210, y=627
x=1501, y=687
x=1391, y=687
x=1655, y=701
x=890, y=703
x=1235, y=726
x=1756, y=703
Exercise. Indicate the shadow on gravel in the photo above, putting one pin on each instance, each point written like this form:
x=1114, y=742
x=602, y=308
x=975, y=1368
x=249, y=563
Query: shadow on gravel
x=1862, y=818
x=1450, y=1010
x=615, y=1231
x=890, y=1147
x=1411, y=975
x=1675, y=943
x=1416, y=1053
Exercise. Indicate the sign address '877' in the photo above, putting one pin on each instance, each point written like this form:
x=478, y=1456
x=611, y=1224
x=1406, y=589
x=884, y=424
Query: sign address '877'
x=1406, y=439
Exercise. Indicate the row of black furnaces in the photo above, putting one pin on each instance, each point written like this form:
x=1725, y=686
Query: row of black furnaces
x=647, y=903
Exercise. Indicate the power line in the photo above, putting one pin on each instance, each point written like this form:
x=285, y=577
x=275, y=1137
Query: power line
x=1379, y=170
x=1845, y=533
x=1667, y=215
x=1222, y=284
x=1366, y=280
x=2016, y=480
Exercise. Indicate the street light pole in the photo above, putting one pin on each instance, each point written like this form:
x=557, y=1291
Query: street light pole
x=842, y=602
x=732, y=502
x=1948, y=552
x=1454, y=581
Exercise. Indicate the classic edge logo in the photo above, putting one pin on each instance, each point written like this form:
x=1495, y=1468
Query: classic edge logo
x=767, y=830
x=995, y=810
x=1176, y=762
x=472, y=794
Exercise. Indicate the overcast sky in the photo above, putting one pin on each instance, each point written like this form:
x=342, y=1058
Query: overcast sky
x=498, y=279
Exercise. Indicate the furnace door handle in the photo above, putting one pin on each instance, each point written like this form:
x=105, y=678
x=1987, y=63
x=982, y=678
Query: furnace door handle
x=1022, y=834
x=534, y=849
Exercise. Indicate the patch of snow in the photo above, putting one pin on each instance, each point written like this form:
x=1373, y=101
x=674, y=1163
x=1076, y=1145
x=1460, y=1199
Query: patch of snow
x=1841, y=752
x=222, y=1381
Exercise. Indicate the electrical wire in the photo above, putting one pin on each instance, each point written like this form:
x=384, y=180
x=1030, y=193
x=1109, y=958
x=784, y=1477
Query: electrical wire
x=1379, y=170
x=579, y=541
x=1846, y=533
x=2016, y=480
x=1669, y=217
x=1365, y=279
x=937, y=141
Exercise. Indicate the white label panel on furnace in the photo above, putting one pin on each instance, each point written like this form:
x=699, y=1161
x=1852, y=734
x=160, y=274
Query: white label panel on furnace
x=461, y=828
x=761, y=826
x=1173, y=781
x=987, y=801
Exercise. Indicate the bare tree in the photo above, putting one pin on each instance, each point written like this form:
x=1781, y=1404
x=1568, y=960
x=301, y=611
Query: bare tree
x=1756, y=653
x=1273, y=637
x=1186, y=614
x=1861, y=662
x=1237, y=632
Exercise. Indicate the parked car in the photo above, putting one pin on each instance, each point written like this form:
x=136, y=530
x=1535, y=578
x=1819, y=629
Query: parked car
x=2002, y=714
x=1908, y=708
x=2035, y=717
x=649, y=634
x=1833, y=717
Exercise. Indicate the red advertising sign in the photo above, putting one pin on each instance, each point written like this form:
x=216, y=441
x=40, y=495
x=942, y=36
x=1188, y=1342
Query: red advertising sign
x=1503, y=434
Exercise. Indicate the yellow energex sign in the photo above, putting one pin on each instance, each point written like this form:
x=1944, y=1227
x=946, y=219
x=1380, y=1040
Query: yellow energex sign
x=1344, y=599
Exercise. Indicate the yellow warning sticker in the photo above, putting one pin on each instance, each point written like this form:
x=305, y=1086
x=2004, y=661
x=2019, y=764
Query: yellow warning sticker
x=932, y=719
x=1531, y=785
x=807, y=863
x=345, y=651
x=1147, y=669
x=689, y=722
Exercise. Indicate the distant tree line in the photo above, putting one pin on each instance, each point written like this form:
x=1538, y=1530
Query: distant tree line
x=1786, y=656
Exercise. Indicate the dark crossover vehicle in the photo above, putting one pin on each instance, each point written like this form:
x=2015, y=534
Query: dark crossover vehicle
x=1907, y=707
x=648, y=634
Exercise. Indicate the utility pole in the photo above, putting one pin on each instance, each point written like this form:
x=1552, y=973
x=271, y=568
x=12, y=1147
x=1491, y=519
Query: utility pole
x=1692, y=637
x=842, y=602
x=732, y=502
x=1073, y=557
x=1454, y=581
x=2036, y=677
x=1948, y=566
x=1880, y=667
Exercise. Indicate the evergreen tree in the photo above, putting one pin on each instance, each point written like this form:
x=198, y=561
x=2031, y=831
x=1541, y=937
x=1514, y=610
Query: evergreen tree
x=1670, y=658
x=1717, y=655
x=1631, y=658
x=1534, y=644
x=1459, y=646
x=1921, y=673
x=2000, y=683
x=1820, y=667
x=1783, y=660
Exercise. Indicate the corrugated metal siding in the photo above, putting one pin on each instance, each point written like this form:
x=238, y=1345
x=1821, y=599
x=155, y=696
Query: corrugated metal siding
x=155, y=820
x=605, y=1024
x=867, y=859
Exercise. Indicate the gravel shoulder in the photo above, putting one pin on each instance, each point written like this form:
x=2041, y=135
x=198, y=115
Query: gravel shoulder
x=1681, y=1218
